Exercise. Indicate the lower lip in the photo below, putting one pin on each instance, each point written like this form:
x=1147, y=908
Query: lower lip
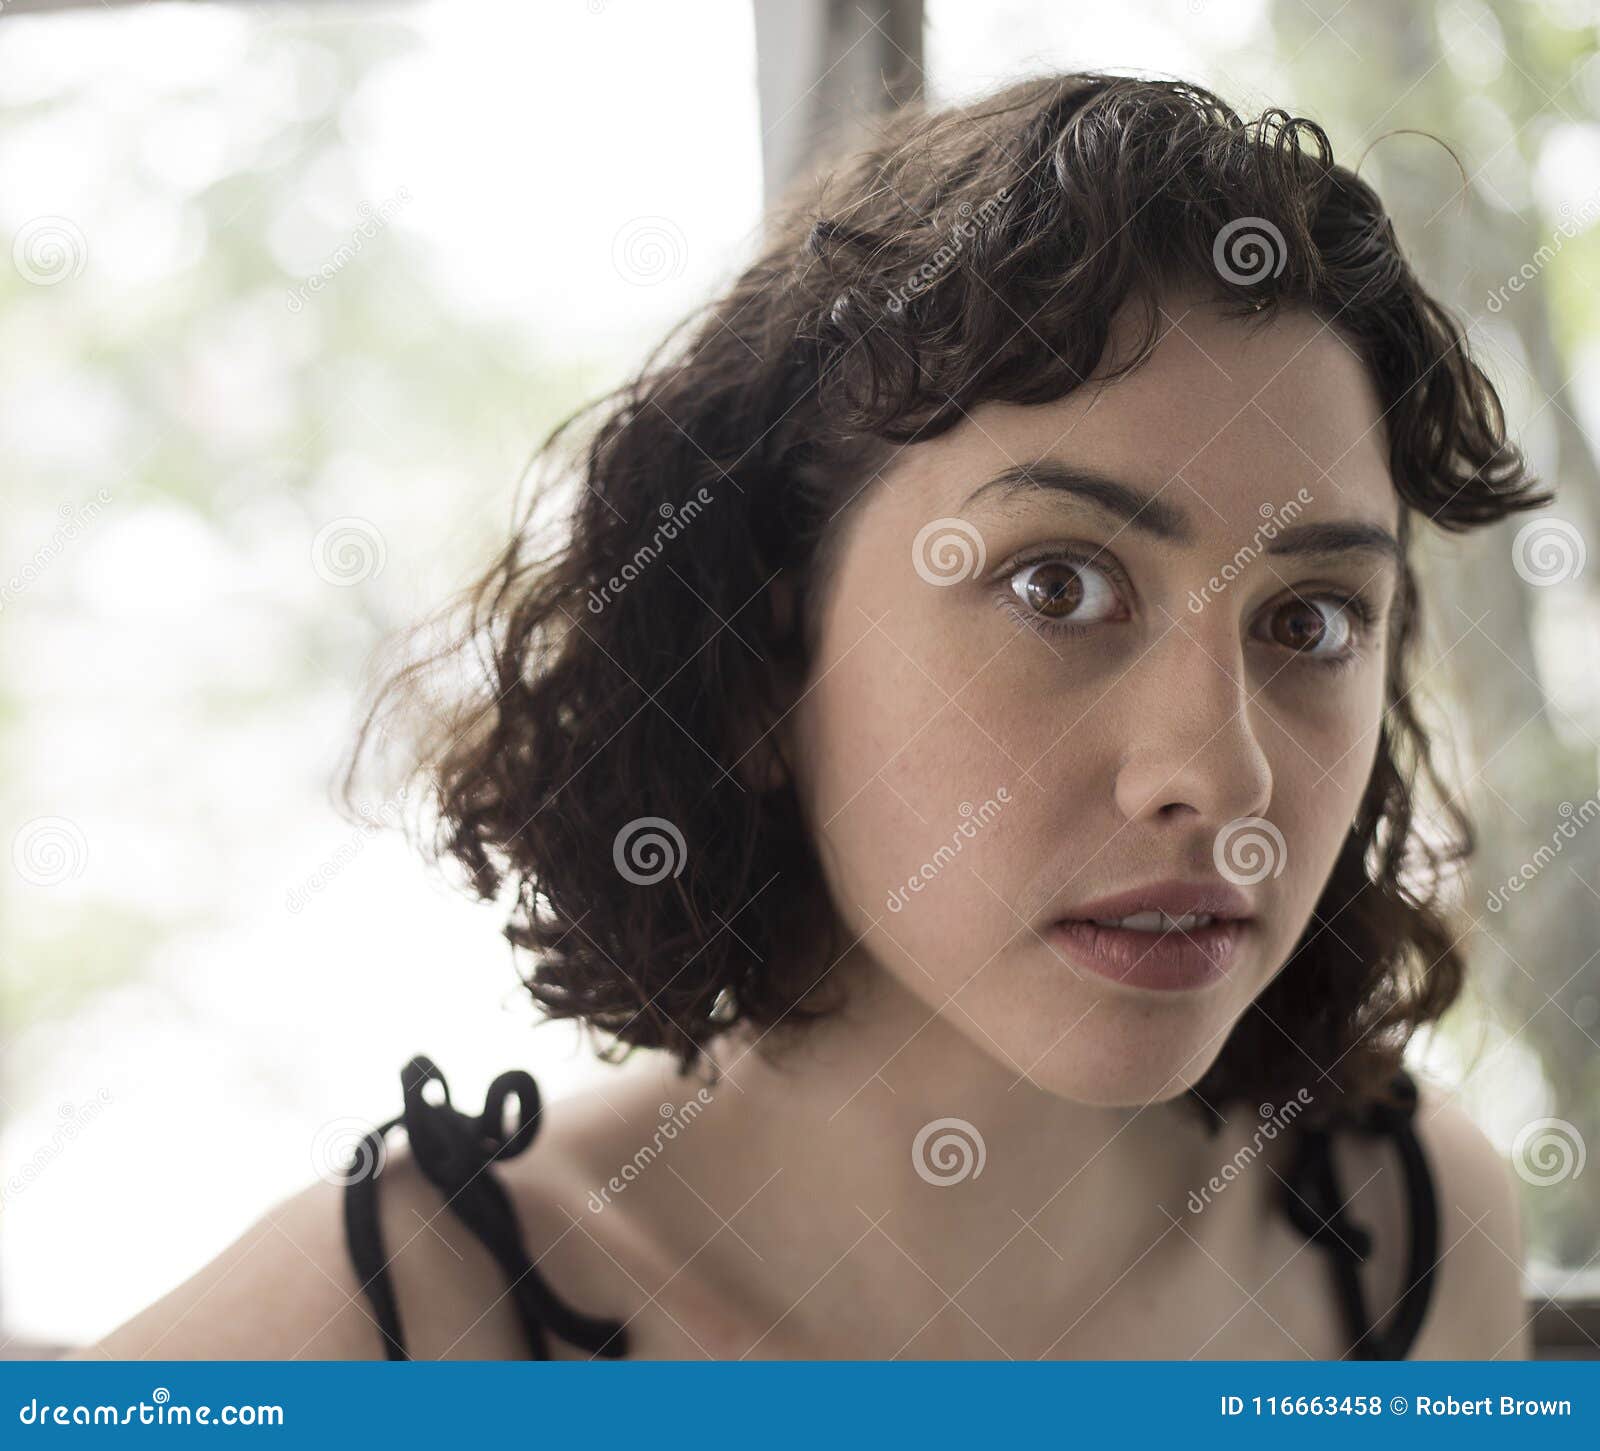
x=1166, y=961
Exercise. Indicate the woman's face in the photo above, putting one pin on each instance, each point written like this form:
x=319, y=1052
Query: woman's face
x=1136, y=663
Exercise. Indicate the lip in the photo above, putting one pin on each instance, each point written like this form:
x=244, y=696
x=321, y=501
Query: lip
x=1215, y=898
x=1175, y=960
x=1165, y=962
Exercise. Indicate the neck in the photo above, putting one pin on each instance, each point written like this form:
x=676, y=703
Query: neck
x=832, y=1138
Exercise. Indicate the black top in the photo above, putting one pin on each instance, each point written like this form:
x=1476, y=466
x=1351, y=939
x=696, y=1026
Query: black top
x=455, y=1151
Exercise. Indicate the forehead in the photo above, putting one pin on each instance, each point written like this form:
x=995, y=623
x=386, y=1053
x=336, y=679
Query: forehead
x=1225, y=416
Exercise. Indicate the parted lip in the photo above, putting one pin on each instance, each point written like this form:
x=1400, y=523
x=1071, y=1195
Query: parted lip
x=1213, y=898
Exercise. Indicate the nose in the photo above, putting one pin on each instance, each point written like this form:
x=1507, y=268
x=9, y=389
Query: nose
x=1191, y=756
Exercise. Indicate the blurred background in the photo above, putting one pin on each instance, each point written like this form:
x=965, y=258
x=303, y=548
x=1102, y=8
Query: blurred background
x=289, y=294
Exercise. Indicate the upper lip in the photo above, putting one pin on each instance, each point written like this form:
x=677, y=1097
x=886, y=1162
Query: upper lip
x=1214, y=898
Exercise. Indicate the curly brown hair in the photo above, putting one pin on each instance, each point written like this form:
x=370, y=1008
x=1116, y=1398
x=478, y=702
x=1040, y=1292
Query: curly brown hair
x=628, y=687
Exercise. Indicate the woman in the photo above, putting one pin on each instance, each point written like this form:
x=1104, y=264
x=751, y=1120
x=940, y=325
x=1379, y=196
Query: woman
x=967, y=714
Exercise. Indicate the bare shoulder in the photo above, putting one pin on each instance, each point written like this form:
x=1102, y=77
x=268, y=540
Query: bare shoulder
x=286, y=1288
x=1475, y=1310
x=1479, y=1311
x=612, y=1222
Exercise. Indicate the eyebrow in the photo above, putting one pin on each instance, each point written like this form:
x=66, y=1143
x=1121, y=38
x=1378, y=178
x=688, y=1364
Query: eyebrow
x=1164, y=520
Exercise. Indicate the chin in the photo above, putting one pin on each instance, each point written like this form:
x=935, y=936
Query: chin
x=1123, y=1052
x=1125, y=1085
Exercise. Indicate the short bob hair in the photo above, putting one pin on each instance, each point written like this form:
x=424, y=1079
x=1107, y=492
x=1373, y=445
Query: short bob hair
x=610, y=769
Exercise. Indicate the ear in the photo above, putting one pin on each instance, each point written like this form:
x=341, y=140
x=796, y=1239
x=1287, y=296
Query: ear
x=781, y=593
x=768, y=742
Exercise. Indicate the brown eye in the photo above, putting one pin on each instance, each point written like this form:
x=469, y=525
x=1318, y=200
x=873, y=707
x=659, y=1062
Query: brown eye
x=1310, y=627
x=1062, y=591
x=1053, y=589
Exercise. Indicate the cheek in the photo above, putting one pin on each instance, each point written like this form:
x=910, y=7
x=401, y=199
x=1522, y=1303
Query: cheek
x=912, y=787
x=1321, y=762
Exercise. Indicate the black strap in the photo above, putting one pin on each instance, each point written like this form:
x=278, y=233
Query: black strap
x=455, y=1151
x=1316, y=1205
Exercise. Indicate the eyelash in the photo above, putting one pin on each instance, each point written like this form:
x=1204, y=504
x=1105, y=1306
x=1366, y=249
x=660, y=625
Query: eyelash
x=1363, y=611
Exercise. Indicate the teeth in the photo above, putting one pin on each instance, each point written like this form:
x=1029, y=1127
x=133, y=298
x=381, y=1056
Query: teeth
x=1156, y=922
